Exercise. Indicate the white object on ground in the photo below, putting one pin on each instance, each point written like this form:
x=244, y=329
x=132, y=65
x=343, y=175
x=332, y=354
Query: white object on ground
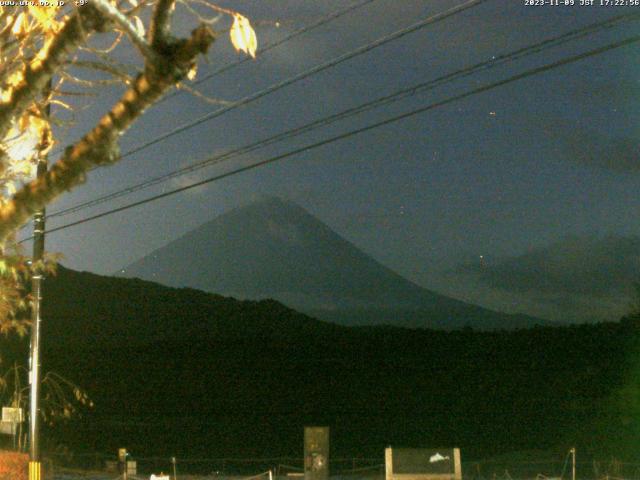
x=437, y=458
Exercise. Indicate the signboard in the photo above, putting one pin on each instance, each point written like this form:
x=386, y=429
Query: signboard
x=11, y=418
x=423, y=464
x=8, y=428
x=316, y=453
x=12, y=415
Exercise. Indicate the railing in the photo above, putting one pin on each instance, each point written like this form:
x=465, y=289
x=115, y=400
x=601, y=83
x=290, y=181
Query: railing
x=353, y=468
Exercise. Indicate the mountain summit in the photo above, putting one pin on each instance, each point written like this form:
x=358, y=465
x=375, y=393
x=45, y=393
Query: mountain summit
x=274, y=248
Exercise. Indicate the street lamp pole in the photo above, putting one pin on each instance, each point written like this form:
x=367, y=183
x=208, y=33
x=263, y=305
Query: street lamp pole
x=34, y=361
x=36, y=291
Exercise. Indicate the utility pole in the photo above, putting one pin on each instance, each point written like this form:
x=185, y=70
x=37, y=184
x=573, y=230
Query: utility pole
x=36, y=291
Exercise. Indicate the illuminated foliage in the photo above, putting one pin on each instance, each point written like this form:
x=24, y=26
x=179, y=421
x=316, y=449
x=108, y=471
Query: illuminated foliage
x=61, y=399
x=242, y=35
x=42, y=51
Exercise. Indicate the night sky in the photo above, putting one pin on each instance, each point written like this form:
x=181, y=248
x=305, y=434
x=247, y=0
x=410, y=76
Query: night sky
x=523, y=198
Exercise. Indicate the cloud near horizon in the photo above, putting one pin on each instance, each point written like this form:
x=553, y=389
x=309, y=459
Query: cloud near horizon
x=596, y=267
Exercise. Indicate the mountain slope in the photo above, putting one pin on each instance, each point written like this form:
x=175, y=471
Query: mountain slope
x=187, y=373
x=276, y=249
x=84, y=308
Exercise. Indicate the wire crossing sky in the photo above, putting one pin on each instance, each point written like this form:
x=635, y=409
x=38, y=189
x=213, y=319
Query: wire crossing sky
x=466, y=200
x=412, y=90
x=313, y=71
x=301, y=31
x=484, y=88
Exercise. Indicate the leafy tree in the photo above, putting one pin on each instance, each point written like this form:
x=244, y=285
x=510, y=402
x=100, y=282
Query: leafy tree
x=614, y=428
x=42, y=49
x=62, y=400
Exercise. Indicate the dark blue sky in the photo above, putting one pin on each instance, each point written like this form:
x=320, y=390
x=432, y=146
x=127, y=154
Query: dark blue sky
x=525, y=169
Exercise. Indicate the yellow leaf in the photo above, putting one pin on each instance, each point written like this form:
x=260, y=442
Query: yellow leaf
x=12, y=81
x=39, y=128
x=139, y=26
x=243, y=37
x=45, y=16
x=21, y=25
x=22, y=168
x=23, y=122
x=191, y=74
x=19, y=145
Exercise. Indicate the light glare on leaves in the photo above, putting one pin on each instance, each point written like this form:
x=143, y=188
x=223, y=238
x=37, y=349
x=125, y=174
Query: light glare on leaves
x=243, y=37
x=45, y=16
x=37, y=61
x=21, y=145
x=191, y=74
x=23, y=139
x=139, y=26
x=24, y=169
x=21, y=25
x=12, y=81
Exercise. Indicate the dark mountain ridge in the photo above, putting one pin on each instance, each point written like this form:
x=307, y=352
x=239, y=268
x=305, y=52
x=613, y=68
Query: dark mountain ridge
x=137, y=312
x=275, y=249
x=179, y=371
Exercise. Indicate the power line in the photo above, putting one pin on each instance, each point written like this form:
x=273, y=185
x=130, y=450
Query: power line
x=277, y=43
x=475, y=91
x=396, y=96
x=296, y=33
x=433, y=19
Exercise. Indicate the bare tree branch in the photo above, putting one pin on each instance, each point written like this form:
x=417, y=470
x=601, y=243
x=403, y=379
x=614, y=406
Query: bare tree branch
x=202, y=96
x=113, y=14
x=99, y=146
x=113, y=69
x=160, y=23
x=37, y=73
